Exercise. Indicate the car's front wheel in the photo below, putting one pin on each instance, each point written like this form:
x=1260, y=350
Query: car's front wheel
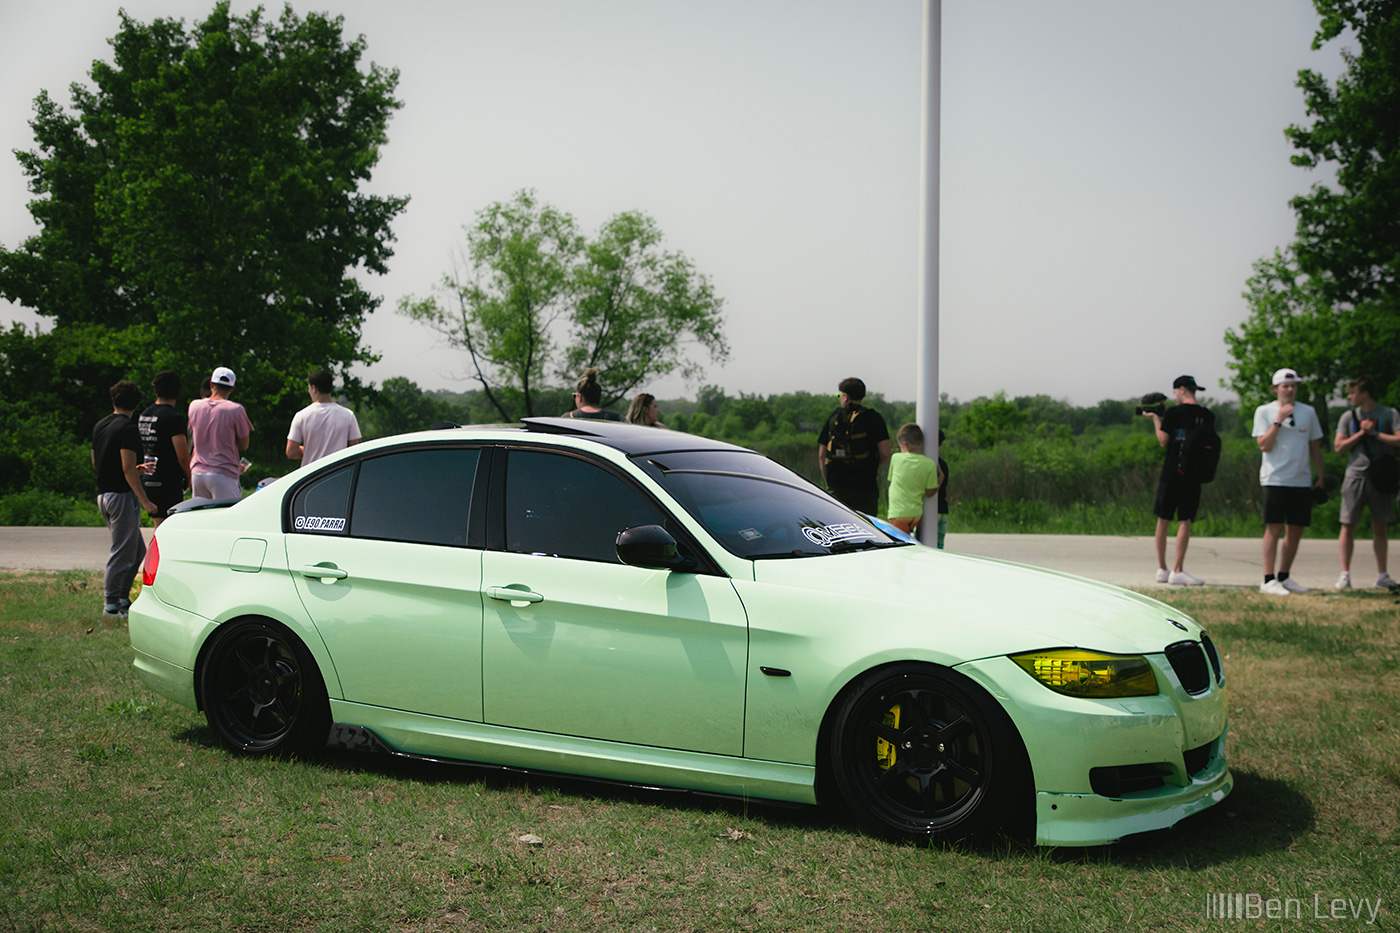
x=262, y=692
x=920, y=752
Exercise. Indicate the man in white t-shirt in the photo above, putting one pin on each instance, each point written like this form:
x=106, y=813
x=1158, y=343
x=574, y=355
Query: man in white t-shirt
x=1291, y=439
x=324, y=426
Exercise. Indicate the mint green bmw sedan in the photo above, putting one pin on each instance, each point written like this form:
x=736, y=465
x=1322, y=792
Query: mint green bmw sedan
x=644, y=606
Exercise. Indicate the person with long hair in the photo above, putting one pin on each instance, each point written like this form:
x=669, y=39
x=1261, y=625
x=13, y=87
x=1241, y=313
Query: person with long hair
x=588, y=398
x=645, y=411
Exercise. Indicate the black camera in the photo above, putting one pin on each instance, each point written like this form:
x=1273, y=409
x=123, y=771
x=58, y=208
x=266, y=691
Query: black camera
x=1152, y=402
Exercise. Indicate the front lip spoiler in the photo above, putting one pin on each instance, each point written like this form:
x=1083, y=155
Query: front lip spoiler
x=362, y=739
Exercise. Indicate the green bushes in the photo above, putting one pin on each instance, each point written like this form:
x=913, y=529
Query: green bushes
x=41, y=507
x=45, y=476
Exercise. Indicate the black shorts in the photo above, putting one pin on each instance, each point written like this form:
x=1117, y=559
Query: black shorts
x=1177, y=498
x=165, y=499
x=862, y=500
x=1288, y=505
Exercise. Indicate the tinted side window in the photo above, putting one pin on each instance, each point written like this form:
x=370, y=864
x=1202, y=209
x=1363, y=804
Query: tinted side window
x=568, y=507
x=320, y=507
x=421, y=496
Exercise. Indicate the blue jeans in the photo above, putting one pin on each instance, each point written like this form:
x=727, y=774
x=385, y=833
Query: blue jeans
x=122, y=513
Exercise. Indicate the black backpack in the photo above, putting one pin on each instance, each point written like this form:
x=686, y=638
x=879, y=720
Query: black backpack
x=841, y=447
x=1200, y=454
x=1384, y=471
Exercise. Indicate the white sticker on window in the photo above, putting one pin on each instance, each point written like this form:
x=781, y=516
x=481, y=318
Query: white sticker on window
x=831, y=534
x=750, y=534
x=317, y=523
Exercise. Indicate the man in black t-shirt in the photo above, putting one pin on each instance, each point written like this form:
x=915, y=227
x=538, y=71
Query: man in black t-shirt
x=116, y=452
x=853, y=445
x=1177, y=493
x=163, y=428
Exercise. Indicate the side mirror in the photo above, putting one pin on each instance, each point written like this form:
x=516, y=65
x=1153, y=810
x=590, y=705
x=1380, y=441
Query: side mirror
x=650, y=546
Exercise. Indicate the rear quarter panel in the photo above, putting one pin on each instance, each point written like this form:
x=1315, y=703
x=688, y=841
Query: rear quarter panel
x=208, y=577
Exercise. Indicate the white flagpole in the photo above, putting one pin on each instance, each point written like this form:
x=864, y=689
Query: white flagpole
x=926, y=411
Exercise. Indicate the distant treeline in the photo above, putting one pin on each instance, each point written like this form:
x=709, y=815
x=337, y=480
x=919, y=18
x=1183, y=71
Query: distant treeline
x=1023, y=464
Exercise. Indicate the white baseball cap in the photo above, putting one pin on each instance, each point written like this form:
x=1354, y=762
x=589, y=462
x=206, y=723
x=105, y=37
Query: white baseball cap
x=1281, y=377
x=224, y=376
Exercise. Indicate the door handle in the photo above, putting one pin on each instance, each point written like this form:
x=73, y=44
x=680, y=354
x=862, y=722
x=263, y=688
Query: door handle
x=517, y=594
x=327, y=575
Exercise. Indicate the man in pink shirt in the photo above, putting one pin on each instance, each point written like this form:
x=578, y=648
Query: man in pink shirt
x=219, y=429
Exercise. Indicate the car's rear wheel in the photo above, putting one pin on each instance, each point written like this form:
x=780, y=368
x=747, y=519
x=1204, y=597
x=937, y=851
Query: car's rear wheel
x=262, y=692
x=920, y=752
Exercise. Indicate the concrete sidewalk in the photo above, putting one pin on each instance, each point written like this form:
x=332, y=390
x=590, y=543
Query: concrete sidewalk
x=1132, y=561
x=1125, y=561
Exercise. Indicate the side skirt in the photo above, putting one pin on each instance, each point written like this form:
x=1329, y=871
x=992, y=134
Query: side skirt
x=426, y=738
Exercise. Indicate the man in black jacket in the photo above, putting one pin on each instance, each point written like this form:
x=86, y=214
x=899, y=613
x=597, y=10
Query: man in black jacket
x=853, y=445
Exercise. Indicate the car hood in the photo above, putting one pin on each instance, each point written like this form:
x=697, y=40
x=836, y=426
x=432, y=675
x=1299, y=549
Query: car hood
x=996, y=605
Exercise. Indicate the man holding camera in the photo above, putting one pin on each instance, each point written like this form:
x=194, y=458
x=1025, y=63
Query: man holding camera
x=1290, y=438
x=1367, y=433
x=1178, y=493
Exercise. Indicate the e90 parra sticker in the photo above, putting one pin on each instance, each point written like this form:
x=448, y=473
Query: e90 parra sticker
x=317, y=523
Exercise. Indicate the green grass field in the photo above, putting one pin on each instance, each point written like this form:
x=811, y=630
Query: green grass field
x=120, y=813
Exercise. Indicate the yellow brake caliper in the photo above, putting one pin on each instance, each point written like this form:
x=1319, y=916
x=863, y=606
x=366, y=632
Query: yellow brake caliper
x=884, y=751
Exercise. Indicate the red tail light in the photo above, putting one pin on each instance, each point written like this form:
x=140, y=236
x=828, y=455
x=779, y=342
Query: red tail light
x=148, y=570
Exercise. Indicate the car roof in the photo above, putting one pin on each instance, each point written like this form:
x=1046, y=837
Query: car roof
x=631, y=439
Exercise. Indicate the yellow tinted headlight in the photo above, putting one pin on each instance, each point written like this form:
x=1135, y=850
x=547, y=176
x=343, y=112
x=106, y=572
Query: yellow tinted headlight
x=1078, y=673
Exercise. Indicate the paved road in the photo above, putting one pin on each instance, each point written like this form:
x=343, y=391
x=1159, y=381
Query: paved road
x=1126, y=561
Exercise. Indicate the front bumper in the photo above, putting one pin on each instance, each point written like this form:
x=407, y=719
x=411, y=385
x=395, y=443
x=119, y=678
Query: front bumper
x=1105, y=769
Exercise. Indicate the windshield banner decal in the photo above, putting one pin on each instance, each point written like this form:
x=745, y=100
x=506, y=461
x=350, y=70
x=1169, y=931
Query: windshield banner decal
x=831, y=534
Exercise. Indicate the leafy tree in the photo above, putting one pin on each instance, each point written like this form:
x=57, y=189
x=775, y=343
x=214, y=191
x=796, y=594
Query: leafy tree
x=399, y=407
x=203, y=200
x=1329, y=303
x=65, y=373
x=533, y=302
x=636, y=306
x=989, y=420
x=710, y=399
x=503, y=309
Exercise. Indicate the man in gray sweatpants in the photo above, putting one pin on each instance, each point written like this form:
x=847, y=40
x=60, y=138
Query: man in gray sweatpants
x=116, y=453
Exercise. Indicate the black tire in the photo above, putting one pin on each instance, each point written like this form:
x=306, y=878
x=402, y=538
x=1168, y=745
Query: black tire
x=262, y=692
x=952, y=768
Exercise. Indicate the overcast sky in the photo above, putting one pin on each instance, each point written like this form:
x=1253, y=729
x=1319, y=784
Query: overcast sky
x=1110, y=168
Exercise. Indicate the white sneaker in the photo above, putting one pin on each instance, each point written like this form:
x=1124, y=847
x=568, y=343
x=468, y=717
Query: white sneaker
x=1385, y=580
x=1344, y=581
x=1182, y=578
x=1274, y=588
x=1293, y=586
x=1162, y=575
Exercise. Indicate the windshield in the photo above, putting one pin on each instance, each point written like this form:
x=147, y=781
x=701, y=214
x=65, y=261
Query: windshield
x=759, y=509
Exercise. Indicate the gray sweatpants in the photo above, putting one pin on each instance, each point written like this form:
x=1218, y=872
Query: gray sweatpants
x=217, y=486
x=122, y=513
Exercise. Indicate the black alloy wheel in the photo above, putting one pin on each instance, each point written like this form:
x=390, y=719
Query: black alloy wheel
x=261, y=691
x=919, y=752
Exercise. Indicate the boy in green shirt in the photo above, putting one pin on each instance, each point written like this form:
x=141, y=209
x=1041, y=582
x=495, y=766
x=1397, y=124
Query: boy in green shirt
x=913, y=478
